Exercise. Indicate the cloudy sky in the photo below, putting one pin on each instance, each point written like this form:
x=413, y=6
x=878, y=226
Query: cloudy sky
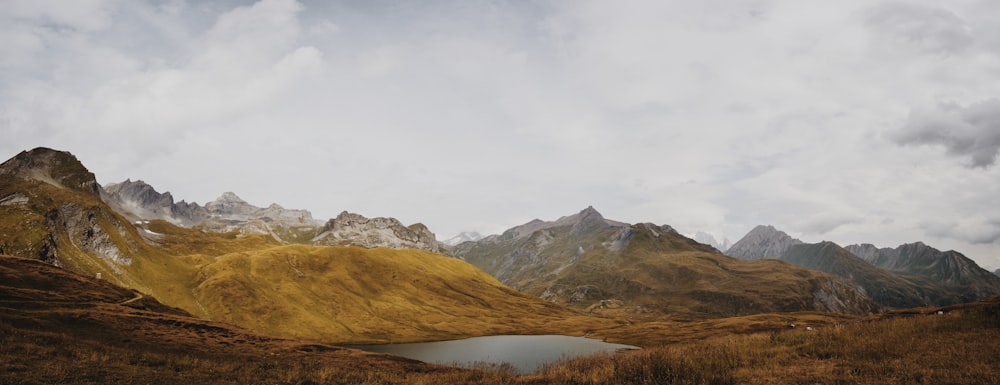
x=850, y=121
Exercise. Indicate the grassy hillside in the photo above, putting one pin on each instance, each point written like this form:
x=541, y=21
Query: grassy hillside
x=352, y=294
x=58, y=327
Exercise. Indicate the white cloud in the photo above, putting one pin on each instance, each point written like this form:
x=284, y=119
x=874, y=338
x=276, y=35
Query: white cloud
x=480, y=115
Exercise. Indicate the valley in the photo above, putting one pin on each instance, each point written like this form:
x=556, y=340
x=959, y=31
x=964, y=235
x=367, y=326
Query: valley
x=121, y=284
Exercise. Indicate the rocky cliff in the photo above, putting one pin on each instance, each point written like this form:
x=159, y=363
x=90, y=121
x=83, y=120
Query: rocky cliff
x=137, y=200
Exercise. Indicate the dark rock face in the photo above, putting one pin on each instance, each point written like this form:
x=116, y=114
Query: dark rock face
x=762, y=242
x=140, y=201
x=57, y=168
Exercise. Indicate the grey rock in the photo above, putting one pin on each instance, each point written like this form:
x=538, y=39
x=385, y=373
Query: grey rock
x=762, y=242
x=465, y=236
x=358, y=230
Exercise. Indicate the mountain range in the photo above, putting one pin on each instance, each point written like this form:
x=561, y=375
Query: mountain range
x=907, y=276
x=52, y=210
x=138, y=201
x=647, y=270
x=356, y=279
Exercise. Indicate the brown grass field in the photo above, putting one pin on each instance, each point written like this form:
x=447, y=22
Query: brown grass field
x=60, y=328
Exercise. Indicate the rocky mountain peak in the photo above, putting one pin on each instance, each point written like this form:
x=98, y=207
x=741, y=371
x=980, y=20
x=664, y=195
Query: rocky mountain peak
x=708, y=239
x=762, y=242
x=230, y=197
x=865, y=251
x=465, y=236
x=139, y=192
x=57, y=168
x=137, y=200
x=355, y=229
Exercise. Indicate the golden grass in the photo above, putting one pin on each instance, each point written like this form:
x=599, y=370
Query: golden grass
x=352, y=294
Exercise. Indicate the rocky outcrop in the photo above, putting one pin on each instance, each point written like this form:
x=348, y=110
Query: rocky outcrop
x=83, y=228
x=137, y=200
x=762, y=242
x=354, y=229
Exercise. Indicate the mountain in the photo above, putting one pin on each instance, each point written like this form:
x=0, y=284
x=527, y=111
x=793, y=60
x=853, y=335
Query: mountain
x=55, y=168
x=996, y=272
x=884, y=287
x=355, y=229
x=139, y=201
x=52, y=210
x=920, y=262
x=465, y=236
x=230, y=213
x=762, y=242
x=708, y=239
x=911, y=275
x=646, y=270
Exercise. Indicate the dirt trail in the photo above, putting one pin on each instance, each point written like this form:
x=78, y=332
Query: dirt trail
x=138, y=296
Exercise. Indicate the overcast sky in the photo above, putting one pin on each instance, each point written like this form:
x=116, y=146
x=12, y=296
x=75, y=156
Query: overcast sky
x=850, y=121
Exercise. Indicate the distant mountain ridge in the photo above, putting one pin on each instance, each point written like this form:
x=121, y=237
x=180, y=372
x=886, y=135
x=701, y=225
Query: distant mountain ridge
x=465, y=236
x=710, y=240
x=910, y=275
x=605, y=266
x=139, y=201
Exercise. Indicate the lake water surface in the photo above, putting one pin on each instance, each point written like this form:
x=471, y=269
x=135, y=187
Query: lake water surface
x=525, y=353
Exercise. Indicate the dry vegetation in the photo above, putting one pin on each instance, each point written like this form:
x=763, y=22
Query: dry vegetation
x=357, y=295
x=57, y=327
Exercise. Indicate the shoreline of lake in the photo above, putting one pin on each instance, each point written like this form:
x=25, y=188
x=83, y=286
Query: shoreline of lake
x=526, y=353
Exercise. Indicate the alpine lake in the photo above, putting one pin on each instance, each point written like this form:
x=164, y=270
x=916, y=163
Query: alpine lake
x=525, y=353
